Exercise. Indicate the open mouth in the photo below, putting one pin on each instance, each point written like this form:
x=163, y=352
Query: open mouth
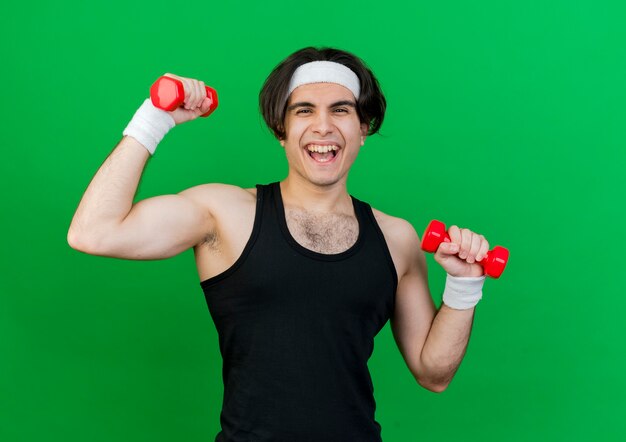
x=322, y=153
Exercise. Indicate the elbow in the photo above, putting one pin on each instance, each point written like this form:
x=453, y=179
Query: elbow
x=435, y=387
x=74, y=241
x=434, y=375
x=80, y=243
x=432, y=384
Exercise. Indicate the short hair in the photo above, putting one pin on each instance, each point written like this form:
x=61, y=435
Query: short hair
x=370, y=105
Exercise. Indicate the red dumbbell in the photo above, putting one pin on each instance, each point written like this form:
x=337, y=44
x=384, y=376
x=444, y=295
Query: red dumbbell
x=493, y=263
x=168, y=93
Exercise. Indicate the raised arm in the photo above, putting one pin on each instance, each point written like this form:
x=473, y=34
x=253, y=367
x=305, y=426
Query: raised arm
x=107, y=222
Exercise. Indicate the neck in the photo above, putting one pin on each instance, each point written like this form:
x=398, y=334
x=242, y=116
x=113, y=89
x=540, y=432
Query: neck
x=333, y=198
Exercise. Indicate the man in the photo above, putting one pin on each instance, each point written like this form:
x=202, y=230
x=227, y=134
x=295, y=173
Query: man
x=299, y=276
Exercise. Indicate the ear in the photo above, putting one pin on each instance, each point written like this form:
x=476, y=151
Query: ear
x=364, y=128
x=281, y=139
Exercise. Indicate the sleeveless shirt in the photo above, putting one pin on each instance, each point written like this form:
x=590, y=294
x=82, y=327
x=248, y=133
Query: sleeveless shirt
x=296, y=329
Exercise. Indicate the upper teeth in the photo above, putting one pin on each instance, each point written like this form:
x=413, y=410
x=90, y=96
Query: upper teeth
x=321, y=149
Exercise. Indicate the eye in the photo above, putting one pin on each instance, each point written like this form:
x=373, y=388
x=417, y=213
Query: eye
x=303, y=111
x=341, y=110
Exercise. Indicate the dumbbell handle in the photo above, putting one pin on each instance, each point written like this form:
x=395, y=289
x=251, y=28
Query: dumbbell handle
x=493, y=263
x=168, y=93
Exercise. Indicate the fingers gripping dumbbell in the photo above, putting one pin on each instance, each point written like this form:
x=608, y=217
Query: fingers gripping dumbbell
x=493, y=263
x=168, y=93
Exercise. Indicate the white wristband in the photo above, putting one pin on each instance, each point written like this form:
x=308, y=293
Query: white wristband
x=149, y=125
x=462, y=293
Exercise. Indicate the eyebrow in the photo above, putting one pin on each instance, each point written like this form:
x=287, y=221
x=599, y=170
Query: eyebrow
x=307, y=104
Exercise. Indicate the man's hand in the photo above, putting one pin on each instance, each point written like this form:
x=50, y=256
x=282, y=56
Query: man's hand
x=196, y=101
x=459, y=255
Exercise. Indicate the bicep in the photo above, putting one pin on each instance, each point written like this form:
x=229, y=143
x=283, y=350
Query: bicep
x=159, y=227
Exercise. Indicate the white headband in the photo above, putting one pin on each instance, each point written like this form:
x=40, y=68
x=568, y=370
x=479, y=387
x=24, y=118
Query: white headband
x=325, y=72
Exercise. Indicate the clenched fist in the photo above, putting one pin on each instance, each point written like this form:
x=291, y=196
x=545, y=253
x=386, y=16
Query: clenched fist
x=459, y=255
x=196, y=102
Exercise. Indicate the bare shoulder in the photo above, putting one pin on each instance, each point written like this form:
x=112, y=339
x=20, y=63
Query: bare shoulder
x=396, y=229
x=226, y=206
x=214, y=196
x=402, y=240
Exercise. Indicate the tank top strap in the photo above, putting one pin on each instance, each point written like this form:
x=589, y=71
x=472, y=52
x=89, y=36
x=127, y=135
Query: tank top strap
x=263, y=197
x=374, y=231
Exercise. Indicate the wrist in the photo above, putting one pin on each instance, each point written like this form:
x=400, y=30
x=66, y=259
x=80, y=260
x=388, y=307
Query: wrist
x=149, y=125
x=463, y=293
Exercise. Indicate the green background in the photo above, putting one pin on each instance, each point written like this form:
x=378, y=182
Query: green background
x=503, y=117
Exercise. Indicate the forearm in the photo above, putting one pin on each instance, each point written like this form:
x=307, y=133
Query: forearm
x=109, y=197
x=445, y=345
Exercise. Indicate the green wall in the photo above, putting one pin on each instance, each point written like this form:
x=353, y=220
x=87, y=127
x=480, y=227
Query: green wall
x=504, y=117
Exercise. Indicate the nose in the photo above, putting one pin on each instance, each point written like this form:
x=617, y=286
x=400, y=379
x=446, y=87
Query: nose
x=322, y=123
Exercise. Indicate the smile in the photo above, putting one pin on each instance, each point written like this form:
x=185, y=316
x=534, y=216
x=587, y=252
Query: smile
x=322, y=153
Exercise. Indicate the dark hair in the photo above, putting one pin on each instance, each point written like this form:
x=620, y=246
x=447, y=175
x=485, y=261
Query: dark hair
x=370, y=105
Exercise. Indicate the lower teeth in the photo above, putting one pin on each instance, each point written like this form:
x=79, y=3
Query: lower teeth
x=327, y=158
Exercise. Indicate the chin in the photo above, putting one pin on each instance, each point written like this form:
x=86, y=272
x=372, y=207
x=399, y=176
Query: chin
x=324, y=182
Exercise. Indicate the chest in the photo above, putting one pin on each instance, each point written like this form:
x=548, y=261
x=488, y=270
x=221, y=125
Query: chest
x=322, y=233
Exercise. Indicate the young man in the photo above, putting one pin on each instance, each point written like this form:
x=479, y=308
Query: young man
x=299, y=276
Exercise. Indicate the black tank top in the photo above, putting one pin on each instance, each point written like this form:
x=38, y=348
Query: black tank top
x=296, y=329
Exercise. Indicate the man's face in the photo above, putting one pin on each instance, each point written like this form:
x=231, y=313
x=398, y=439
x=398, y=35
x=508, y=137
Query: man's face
x=322, y=117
